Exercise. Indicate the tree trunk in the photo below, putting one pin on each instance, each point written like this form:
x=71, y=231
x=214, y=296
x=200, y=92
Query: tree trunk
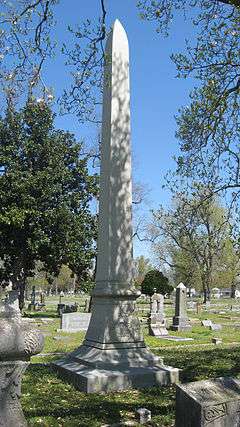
x=206, y=289
x=233, y=290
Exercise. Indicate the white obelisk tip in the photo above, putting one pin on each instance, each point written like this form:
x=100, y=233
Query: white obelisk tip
x=117, y=24
x=181, y=286
x=118, y=29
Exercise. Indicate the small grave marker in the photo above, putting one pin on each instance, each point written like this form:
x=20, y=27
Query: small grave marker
x=144, y=415
x=207, y=323
x=217, y=341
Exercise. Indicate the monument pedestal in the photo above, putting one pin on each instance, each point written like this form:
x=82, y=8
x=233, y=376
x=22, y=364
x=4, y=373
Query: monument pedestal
x=94, y=380
x=114, y=356
x=181, y=324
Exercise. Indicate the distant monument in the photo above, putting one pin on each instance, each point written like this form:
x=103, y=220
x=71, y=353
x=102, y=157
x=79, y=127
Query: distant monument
x=113, y=355
x=180, y=320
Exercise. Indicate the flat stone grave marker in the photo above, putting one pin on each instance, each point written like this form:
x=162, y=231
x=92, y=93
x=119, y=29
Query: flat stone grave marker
x=158, y=331
x=175, y=338
x=210, y=403
x=74, y=322
x=215, y=327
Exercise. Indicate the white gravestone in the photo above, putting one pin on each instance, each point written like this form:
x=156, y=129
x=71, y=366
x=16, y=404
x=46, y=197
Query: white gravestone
x=74, y=322
x=157, y=321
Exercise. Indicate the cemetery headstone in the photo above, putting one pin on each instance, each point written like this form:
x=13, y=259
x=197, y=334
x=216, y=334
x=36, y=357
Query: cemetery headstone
x=180, y=320
x=207, y=323
x=217, y=341
x=191, y=305
x=198, y=308
x=209, y=403
x=113, y=355
x=144, y=415
x=74, y=322
x=32, y=305
x=157, y=321
x=12, y=302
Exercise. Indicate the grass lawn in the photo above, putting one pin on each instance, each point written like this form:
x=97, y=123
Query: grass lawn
x=49, y=401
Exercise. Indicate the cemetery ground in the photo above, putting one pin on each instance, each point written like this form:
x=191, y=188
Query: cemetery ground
x=47, y=400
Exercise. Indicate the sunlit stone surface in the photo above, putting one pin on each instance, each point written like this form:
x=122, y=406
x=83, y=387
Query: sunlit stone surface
x=113, y=355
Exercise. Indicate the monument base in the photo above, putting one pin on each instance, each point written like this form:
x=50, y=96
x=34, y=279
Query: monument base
x=181, y=324
x=181, y=328
x=92, y=370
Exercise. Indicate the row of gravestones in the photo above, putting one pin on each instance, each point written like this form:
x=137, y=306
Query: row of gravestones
x=209, y=403
x=157, y=321
x=72, y=322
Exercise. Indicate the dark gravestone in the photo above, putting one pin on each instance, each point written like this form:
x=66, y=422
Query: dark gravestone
x=74, y=322
x=210, y=403
x=180, y=320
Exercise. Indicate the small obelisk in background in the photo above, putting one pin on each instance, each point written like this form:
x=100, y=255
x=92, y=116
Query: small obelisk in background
x=114, y=355
x=180, y=320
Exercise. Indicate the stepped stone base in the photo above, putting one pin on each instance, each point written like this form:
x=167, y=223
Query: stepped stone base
x=181, y=324
x=119, y=371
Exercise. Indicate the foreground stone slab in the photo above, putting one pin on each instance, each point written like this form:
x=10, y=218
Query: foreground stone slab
x=210, y=403
x=113, y=355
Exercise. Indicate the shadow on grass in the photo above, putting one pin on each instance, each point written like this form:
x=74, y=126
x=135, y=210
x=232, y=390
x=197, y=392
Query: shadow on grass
x=43, y=314
x=212, y=363
x=46, y=395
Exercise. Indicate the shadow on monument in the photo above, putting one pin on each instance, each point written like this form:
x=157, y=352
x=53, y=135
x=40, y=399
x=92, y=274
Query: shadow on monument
x=113, y=355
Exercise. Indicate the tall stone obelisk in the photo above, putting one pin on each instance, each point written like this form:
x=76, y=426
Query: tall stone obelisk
x=113, y=355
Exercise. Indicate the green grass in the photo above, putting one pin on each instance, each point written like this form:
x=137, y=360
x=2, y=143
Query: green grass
x=49, y=401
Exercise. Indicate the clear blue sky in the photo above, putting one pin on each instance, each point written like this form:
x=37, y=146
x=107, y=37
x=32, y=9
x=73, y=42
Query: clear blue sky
x=156, y=94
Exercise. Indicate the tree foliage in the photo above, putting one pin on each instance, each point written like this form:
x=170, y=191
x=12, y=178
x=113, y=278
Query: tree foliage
x=45, y=195
x=155, y=281
x=208, y=129
x=193, y=238
x=141, y=266
x=26, y=42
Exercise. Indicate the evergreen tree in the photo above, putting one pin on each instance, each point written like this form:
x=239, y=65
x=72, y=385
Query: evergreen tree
x=45, y=195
